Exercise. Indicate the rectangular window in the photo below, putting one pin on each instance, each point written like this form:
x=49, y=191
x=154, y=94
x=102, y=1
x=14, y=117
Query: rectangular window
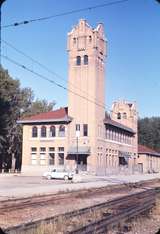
x=33, y=155
x=42, y=155
x=85, y=129
x=51, y=149
x=61, y=149
x=51, y=158
x=61, y=158
x=77, y=127
x=34, y=150
x=42, y=149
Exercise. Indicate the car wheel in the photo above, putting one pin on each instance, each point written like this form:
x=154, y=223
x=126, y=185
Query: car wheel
x=65, y=177
x=49, y=177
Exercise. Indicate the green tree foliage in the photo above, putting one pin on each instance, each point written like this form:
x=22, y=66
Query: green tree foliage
x=149, y=132
x=15, y=103
x=37, y=107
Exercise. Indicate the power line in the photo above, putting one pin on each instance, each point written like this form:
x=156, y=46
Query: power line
x=44, y=67
x=49, y=80
x=55, y=83
x=65, y=13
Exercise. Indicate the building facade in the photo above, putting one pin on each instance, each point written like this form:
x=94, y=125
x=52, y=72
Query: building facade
x=148, y=160
x=105, y=143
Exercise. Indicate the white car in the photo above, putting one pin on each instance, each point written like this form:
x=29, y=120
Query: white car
x=58, y=173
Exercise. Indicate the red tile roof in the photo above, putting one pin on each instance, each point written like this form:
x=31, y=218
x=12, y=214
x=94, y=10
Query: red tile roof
x=142, y=149
x=59, y=114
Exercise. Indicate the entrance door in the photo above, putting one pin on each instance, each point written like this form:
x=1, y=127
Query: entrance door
x=140, y=167
x=82, y=162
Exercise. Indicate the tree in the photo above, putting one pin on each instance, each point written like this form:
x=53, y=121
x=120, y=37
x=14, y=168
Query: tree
x=15, y=103
x=149, y=132
x=9, y=94
x=38, y=106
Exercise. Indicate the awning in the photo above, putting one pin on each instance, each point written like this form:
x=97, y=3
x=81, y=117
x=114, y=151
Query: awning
x=125, y=155
x=81, y=150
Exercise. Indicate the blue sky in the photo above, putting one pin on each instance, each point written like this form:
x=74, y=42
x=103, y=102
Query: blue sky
x=133, y=61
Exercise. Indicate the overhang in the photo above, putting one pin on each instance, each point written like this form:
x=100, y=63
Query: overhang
x=113, y=123
x=81, y=150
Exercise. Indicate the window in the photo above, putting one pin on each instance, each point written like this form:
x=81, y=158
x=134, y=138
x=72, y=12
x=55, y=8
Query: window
x=61, y=158
x=85, y=129
x=42, y=155
x=61, y=149
x=52, y=131
x=42, y=149
x=51, y=156
x=33, y=149
x=90, y=38
x=118, y=115
x=61, y=155
x=77, y=127
x=78, y=62
x=33, y=155
x=125, y=115
x=51, y=149
x=85, y=59
x=61, y=131
x=74, y=40
x=43, y=131
x=34, y=131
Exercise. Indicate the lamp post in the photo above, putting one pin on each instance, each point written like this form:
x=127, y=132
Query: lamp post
x=1, y=2
x=77, y=136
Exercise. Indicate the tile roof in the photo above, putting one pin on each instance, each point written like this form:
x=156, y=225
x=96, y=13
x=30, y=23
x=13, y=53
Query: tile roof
x=111, y=122
x=56, y=115
x=142, y=149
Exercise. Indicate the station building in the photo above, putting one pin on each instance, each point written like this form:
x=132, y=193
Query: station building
x=148, y=160
x=106, y=143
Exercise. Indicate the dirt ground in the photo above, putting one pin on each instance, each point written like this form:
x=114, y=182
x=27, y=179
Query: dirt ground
x=148, y=223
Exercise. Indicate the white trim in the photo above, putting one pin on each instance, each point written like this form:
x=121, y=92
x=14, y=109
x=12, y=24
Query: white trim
x=46, y=138
x=117, y=142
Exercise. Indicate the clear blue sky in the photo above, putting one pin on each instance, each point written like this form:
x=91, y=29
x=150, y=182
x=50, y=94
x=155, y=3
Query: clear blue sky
x=133, y=33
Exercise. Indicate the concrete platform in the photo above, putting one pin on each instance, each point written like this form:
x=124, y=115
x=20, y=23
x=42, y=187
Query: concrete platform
x=17, y=185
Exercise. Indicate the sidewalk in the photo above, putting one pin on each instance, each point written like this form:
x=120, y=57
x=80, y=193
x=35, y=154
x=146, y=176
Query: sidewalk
x=23, y=188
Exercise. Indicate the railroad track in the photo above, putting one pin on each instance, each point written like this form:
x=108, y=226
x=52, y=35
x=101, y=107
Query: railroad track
x=43, y=200
x=123, y=213
x=112, y=212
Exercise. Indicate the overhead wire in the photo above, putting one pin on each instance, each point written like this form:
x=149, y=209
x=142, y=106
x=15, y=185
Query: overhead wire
x=24, y=22
x=55, y=83
x=50, y=80
x=44, y=67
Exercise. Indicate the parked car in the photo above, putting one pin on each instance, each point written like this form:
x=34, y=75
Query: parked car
x=58, y=173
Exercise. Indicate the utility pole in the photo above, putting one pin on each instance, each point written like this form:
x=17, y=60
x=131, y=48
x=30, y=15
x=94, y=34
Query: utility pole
x=1, y=2
x=77, y=157
x=77, y=136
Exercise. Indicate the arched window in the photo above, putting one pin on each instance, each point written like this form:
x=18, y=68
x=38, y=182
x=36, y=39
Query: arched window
x=118, y=115
x=78, y=62
x=85, y=59
x=125, y=115
x=43, y=131
x=34, y=131
x=52, y=131
x=90, y=38
x=61, y=131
